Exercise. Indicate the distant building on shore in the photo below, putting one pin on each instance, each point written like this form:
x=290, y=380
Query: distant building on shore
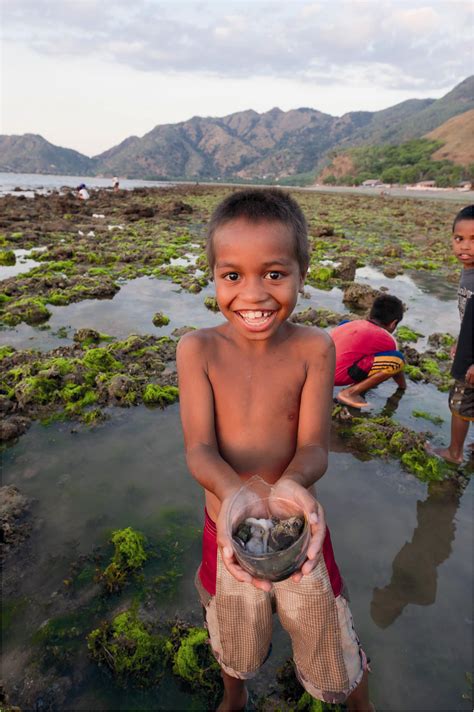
x=372, y=183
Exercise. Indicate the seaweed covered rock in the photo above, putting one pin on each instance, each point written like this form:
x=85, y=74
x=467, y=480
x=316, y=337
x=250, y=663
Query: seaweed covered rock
x=90, y=336
x=13, y=426
x=29, y=309
x=71, y=379
x=129, y=648
x=160, y=319
x=346, y=269
x=360, y=296
x=320, y=317
x=434, y=364
x=383, y=437
x=192, y=658
x=15, y=521
x=122, y=390
x=211, y=304
x=7, y=258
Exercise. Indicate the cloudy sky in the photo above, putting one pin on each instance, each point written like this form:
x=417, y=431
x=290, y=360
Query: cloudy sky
x=88, y=73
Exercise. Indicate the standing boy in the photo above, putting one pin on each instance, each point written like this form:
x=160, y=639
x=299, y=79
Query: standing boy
x=461, y=395
x=366, y=352
x=255, y=398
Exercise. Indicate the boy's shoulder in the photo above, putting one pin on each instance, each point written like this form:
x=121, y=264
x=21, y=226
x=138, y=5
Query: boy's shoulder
x=310, y=337
x=199, y=337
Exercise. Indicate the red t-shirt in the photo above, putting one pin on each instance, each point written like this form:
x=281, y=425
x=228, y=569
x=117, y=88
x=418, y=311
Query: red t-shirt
x=358, y=341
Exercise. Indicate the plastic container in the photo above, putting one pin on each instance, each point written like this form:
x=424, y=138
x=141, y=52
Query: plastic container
x=256, y=499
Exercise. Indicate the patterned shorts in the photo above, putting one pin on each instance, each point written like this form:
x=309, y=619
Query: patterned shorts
x=328, y=658
x=461, y=400
x=390, y=362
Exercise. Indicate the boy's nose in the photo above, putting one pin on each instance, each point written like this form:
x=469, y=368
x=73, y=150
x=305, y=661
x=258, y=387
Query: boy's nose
x=255, y=290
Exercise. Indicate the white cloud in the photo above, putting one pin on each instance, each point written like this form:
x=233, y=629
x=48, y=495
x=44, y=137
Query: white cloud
x=242, y=39
x=87, y=73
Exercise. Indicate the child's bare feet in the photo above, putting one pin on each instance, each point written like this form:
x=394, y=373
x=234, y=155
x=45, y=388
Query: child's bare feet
x=347, y=397
x=444, y=453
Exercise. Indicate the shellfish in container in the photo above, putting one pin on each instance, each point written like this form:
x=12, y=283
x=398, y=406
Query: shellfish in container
x=270, y=535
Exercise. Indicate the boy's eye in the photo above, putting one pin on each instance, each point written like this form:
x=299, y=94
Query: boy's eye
x=274, y=275
x=231, y=276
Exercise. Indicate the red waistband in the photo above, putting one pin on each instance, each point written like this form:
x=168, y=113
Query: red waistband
x=208, y=568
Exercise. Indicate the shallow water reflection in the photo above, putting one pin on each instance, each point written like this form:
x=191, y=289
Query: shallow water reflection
x=414, y=569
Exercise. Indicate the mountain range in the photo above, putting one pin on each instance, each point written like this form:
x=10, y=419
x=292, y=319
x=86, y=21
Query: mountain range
x=245, y=145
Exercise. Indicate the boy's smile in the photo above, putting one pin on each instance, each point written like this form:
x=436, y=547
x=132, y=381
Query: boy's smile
x=257, y=275
x=463, y=242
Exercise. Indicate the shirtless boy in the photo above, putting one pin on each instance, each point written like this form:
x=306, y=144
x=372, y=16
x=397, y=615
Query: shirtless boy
x=255, y=398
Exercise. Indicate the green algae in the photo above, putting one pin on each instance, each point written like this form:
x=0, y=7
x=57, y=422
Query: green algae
x=160, y=395
x=211, y=304
x=6, y=351
x=404, y=333
x=429, y=366
x=100, y=360
x=160, y=319
x=383, y=437
x=93, y=416
x=435, y=419
x=129, y=648
x=36, y=389
x=425, y=467
x=129, y=555
x=413, y=372
x=31, y=310
x=193, y=661
x=7, y=258
x=60, y=639
x=321, y=273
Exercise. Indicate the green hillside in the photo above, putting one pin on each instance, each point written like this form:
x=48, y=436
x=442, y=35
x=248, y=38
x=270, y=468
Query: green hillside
x=409, y=162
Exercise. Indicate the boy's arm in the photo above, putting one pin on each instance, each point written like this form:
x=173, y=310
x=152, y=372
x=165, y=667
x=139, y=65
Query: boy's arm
x=197, y=417
x=311, y=457
x=202, y=453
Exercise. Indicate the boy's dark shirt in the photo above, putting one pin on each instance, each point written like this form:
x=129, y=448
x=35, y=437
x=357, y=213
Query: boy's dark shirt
x=465, y=289
x=464, y=350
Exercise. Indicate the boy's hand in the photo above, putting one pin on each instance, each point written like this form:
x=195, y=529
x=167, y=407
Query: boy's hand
x=286, y=488
x=470, y=375
x=227, y=552
x=452, y=350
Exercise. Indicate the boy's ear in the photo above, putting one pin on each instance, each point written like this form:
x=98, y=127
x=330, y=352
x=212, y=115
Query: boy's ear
x=392, y=326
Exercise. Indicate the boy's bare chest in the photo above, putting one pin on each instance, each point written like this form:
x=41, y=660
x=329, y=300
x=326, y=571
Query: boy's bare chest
x=249, y=385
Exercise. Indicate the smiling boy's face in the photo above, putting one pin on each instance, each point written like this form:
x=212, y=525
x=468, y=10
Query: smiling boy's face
x=257, y=275
x=463, y=242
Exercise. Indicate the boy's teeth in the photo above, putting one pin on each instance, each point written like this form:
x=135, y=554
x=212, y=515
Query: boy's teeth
x=254, y=314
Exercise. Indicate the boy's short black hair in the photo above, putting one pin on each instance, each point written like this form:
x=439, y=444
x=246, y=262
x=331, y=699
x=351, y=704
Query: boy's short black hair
x=466, y=213
x=386, y=309
x=262, y=204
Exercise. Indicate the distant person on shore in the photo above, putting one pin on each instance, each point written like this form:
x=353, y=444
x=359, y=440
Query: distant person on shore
x=366, y=352
x=461, y=395
x=82, y=192
x=116, y=184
